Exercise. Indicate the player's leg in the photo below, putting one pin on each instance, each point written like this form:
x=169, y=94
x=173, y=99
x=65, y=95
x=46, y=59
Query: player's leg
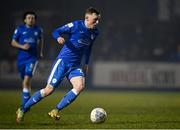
x=35, y=98
x=26, y=89
x=78, y=85
x=54, y=79
x=29, y=72
x=77, y=80
x=25, y=83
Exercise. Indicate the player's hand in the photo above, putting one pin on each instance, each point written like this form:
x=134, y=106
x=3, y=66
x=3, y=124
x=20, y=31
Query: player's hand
x=26, y=46
x=60, y=40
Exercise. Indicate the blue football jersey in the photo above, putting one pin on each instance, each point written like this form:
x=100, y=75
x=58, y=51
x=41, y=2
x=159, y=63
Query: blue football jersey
x=30, y=35
x=79, y=43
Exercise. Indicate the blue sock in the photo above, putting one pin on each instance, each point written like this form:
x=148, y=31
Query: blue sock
x=35, y=98
x=67, y=99
x=25, y=96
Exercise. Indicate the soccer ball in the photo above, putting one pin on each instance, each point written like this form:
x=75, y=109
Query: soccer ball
x=98, y=115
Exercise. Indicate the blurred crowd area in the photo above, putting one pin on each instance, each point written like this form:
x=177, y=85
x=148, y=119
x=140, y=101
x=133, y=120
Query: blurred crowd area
x=146, y=41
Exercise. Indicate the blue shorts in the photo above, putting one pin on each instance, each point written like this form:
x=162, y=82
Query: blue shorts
x=60, y=70
x=27, y=68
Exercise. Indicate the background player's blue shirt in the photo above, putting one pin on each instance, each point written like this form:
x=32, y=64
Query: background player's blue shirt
x=79, y=43
x=30, y=35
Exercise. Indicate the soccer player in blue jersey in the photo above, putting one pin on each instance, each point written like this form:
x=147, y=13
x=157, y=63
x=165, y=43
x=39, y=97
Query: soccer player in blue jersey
x=27, y=38
x=82, y=34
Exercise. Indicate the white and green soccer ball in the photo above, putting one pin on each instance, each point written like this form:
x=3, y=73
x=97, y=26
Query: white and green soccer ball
x=98, y=115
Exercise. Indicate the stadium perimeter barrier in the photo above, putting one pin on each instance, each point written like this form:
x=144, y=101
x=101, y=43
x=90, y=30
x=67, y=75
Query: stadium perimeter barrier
x=111, y=75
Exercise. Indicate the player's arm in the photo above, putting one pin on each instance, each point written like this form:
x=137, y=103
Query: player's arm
x=87, y=57
x=66, y=29
x=14, y=43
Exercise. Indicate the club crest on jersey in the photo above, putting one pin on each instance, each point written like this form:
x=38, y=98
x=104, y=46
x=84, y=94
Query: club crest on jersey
x=54, y=80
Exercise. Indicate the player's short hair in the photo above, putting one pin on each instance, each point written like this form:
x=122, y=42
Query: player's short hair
x=29, y=12
x=92, y=10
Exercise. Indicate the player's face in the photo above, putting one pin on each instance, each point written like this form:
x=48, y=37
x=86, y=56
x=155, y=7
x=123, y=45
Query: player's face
x=92, y=20
x=30, y=20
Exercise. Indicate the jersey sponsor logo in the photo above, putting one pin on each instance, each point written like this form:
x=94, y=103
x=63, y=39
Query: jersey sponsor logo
x=29, y=40
x=84, y=41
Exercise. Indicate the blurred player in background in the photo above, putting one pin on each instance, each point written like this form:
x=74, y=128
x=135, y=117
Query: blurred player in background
x=68, y=64
x=27, y=38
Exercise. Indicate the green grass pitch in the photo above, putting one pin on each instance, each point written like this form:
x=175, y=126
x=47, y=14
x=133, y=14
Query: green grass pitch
x=131, y=110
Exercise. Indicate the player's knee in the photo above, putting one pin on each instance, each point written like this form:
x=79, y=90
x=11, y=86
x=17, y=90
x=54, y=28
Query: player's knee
x=48, y=90
x=79, y=87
